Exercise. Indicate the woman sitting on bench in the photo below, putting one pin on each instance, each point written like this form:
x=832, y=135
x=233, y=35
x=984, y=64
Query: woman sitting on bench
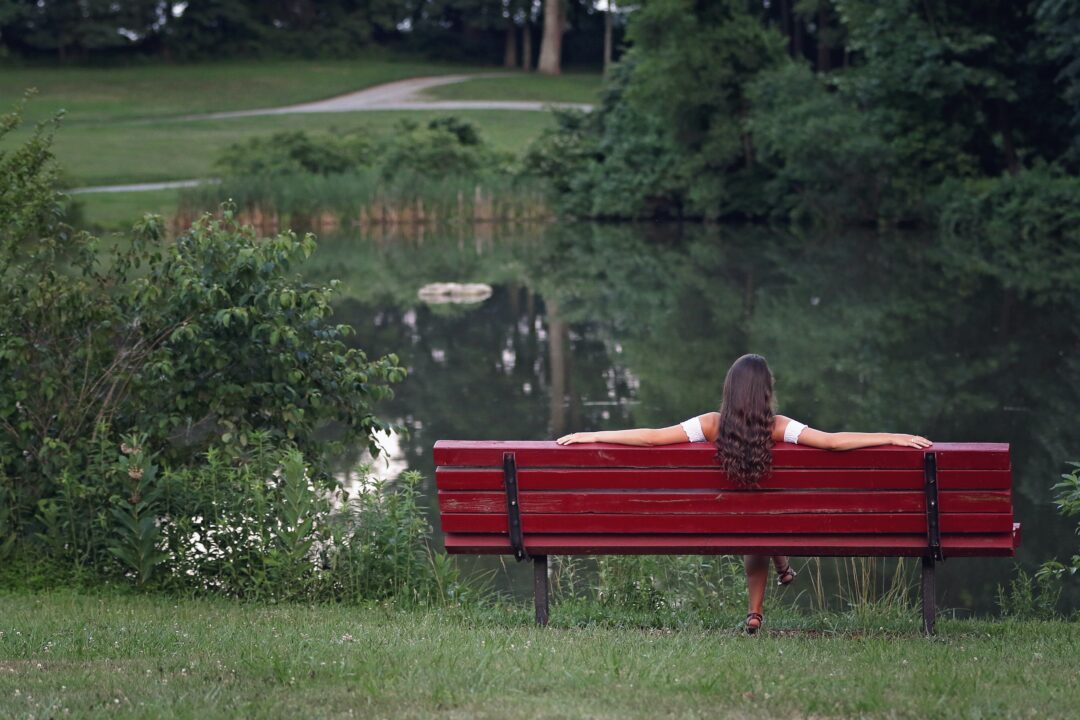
x=744, y=432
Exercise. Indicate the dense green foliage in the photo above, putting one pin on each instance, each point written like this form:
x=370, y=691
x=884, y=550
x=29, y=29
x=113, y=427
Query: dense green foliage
x=710, y=117
x=435, y=172
x=1068, y=502
x=442, y=147
x=169, y=412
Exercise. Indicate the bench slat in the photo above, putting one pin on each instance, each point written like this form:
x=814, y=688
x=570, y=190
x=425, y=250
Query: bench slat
x=545, y=453
x=845, y=523
x=728, y=503
x=1000, y=545
x=453, y=478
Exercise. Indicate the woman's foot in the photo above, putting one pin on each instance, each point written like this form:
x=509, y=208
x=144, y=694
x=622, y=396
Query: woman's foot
x=785, y=575
x=753, y=622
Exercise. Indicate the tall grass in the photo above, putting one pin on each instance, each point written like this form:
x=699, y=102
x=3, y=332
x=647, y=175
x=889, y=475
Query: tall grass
x=860, y=584
x=364, y=199
x=675, y=588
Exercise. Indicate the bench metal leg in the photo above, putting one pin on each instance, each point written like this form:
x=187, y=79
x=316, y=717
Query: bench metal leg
x=540, y=588
x=929, y=606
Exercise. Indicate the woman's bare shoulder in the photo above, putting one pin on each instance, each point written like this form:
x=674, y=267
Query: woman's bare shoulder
x=710, y=425
x=780, y=423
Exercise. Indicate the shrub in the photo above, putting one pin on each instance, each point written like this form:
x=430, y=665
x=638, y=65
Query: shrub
x=295, y=152
x=445, y=146
x=158, y=386
x=1068, y=502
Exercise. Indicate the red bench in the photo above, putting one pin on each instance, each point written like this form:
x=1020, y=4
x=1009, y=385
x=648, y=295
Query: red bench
x=534, y=499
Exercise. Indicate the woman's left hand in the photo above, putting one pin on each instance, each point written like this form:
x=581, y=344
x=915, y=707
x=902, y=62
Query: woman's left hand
x=574, y=438
x=914, y=441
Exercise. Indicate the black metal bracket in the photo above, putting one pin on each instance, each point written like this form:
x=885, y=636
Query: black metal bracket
x=513, y=507
x=933, y=526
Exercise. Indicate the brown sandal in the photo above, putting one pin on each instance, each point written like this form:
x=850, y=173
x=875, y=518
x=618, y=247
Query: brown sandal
x=754, y=617
x=785, y=575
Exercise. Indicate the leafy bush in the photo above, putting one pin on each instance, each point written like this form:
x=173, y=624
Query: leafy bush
x=295, y=152
x=169, y=411
x=1068, y=502
x=271, y=529
x=445, y=146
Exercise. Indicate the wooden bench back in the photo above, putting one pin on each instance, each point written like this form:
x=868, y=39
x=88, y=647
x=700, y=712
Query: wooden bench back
x=611, y=499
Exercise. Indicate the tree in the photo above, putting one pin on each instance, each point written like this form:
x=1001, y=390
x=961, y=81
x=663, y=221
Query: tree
x=551, y=45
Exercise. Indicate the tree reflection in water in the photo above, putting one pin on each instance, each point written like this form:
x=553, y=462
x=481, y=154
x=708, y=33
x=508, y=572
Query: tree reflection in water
x=596, y=326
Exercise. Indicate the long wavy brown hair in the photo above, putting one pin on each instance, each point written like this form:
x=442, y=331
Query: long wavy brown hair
x=744, y=443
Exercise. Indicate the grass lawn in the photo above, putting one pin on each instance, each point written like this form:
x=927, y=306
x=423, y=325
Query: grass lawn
x=122, y=124
x=105, y=212
x=108, y=656
x=160, y=151
x=101, y=95
x=174, y=150
x=570, y=87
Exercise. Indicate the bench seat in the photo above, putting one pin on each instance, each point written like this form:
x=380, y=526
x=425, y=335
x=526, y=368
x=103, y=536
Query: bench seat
x=599, y=499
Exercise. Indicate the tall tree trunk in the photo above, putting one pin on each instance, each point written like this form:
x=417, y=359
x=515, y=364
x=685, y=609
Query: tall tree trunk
x=609, y=23
x=797, y=37
x=823, y=59
x=510, y=53
x=526, y=47
x=551, y=45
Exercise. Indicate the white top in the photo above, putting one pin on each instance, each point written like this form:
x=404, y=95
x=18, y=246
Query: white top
x=694, y=433
x=693, y=430
x=792, y=431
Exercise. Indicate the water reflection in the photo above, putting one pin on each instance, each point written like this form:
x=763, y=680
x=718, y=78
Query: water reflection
x=592, y=327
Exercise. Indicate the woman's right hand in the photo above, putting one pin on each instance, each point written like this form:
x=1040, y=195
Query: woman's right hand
x=912, y=441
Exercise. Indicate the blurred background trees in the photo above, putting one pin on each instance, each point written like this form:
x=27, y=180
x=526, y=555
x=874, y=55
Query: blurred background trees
x=516, y=32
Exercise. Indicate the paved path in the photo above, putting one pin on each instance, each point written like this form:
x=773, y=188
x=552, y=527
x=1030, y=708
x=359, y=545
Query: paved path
x=400, y=95
x=141, y=187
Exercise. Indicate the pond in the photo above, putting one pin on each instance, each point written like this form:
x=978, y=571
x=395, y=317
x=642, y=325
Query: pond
x=604, y=327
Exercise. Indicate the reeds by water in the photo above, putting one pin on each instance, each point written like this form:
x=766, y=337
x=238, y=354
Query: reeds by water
x=364, y=200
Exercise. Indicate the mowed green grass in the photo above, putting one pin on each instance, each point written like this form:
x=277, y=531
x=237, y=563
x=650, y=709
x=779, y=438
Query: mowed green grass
x=568, y=88
x=103, y=95
x=109, y=154
x=87, y=656
x=126, y=125
x=118, y=211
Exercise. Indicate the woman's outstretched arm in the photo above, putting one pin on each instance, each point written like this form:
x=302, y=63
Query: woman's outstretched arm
x=637, y=436
x=847, y=440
